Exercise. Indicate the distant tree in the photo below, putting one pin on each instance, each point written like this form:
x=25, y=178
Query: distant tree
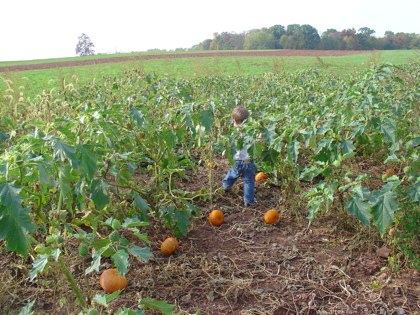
x=204, y=45
x=85, y=46
x=365, y=38
x=349, y=40
x=227, y=41
x=260, y=39
x=305, y=36
x=330, y=39
x=300, y=37
x=278, y=31
x=310, y=36
x=293, y=38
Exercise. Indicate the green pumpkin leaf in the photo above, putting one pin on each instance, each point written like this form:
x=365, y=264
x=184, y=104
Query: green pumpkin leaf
x=99, y=190
x=141, y=203
x=347, y=146
x=162, y=306
x=182, y=221
x=383, y=210
x=62, y=151
x=143, y=253
x=359, y=208
x=120, y=259
x=15, y=222
x=88, y=163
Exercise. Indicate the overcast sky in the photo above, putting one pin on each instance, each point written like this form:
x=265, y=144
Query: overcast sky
x=50, y=28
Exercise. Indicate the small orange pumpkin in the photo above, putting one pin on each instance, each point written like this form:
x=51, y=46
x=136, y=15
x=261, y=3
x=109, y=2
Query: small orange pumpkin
x=271, y=216
x=112, y=281
x=169, y=246
x=212, y=165
x=216, y=217
x=389, y=172
x=260, y=177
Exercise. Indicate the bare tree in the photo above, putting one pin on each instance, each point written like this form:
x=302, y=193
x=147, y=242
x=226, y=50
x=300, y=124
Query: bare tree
x=85, y=46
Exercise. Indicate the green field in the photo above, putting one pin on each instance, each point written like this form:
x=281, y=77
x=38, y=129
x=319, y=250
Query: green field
x=32, y=83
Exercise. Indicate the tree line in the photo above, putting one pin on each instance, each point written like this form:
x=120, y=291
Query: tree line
x=296, y=36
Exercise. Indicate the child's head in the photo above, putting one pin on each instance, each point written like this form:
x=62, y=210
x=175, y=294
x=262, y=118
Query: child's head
x=239, y=114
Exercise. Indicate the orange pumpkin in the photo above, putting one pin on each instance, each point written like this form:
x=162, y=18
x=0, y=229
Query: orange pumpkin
x=169, y=246
x=212, y=165
x=112, y=281
x=271, y=216
x=260, y=177
x=216, y=217
x=389, y=172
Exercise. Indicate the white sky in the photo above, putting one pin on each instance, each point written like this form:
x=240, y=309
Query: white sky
x=31, y=29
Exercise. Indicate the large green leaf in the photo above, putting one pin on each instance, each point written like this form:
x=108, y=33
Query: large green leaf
x=87, y=164
x=347, y=146
x=206, y=119
x=62, y=151
x=120, y=259
x=388, y=129
x=143, y=253
x=359, y=208
x=383, y=210
x=99, y=190
x=15, y=222
x=182, y=220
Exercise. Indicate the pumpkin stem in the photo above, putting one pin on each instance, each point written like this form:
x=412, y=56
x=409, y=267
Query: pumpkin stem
x=73, y=284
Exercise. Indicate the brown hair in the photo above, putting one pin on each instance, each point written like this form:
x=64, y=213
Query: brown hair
x=239, y=114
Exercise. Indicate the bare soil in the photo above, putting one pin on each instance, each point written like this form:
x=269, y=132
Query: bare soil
x=245, y=266
x=273, y=53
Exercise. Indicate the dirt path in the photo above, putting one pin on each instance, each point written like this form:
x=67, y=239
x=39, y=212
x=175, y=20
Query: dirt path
x=272, y=53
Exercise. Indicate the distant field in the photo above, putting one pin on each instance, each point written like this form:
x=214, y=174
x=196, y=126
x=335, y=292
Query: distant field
x=184, y=65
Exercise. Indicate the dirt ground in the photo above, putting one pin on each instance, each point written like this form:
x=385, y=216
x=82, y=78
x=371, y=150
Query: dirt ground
x=245, y=266
x=273, y=53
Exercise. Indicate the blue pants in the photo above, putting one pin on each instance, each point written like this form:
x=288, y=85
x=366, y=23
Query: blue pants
x=245, y=169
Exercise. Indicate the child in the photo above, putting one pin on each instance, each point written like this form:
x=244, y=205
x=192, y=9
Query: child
x=243, y=166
